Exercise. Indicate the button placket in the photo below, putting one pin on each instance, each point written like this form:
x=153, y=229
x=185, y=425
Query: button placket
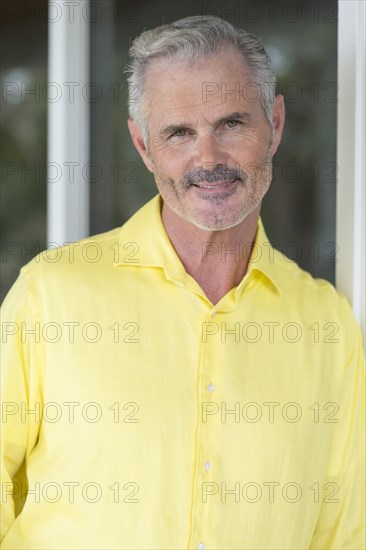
x=204, y=465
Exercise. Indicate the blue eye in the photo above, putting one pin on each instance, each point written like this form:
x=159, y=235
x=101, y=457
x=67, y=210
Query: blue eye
x=236, y=123
x=180, y=133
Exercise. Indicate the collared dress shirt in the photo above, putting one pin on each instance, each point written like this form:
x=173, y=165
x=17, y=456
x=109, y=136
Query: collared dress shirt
x=138, y=415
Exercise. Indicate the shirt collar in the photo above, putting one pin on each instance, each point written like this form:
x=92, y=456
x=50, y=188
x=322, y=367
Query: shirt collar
x=265, y=260
x=144, y=242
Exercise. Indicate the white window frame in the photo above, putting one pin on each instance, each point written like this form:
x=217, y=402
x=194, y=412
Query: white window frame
x=351, y=147
x=68, y=122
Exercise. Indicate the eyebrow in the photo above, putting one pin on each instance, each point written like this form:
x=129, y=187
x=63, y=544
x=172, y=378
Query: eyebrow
x=172, y=128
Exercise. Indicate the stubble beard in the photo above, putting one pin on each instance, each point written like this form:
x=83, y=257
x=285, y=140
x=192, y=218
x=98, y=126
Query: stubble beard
x=219, y=215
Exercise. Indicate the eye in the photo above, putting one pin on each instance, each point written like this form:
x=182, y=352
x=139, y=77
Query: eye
x=182, y=132
x=233, y=123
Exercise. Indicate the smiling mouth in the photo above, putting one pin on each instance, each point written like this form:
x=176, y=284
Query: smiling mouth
x=215, y=185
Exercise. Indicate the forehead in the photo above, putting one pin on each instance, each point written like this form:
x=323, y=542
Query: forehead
x=217, y=83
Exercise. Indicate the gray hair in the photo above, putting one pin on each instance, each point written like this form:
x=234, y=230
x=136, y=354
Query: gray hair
x=188, y=40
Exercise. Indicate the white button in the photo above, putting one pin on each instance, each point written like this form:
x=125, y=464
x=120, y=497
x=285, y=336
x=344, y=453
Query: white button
x=211, y=388
x=201, y=546
x=208, y=465
x=213, y=313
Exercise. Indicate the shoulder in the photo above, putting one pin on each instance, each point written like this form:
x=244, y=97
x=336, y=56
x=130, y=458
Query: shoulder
x=313, y=297
x=96, y=250
x=65, y=272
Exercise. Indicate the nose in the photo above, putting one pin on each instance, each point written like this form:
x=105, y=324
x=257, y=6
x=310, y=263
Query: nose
x=208, y=151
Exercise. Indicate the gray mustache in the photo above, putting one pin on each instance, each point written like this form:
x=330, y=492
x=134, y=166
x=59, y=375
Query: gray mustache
x=219, y=173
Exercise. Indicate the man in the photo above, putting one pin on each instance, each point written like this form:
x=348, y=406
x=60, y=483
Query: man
x=176, y=383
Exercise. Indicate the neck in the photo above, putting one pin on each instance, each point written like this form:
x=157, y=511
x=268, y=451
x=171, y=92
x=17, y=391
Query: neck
x=217, y=260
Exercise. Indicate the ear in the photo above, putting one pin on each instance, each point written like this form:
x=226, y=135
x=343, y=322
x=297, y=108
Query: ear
x=139, y=143
x=278, y=121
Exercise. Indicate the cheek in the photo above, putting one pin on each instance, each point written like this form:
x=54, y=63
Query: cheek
x=166, y=157
x=254, y=140
x=249, y=146
x=256, y=150
x=172, y=161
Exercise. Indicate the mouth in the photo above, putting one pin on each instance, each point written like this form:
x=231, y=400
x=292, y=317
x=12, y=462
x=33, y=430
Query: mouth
x=216, y=186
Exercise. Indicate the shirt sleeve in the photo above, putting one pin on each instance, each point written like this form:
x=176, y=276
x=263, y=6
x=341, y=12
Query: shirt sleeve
x=341, y=522
x=21, y=407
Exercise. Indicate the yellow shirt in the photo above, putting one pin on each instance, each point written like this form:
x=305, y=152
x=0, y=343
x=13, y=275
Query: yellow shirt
x=144, y=417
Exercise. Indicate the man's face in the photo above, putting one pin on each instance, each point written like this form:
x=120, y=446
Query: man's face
x=210, y=145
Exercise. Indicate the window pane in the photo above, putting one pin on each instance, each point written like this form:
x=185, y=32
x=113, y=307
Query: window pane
x=23, y=134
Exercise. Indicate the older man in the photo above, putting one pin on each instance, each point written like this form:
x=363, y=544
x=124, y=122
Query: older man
x=176, y=383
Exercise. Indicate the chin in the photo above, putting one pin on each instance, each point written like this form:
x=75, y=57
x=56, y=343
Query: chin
x=215, y=221
x=216, y=226
x=211, y=216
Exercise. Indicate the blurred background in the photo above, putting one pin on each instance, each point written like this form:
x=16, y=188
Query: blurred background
x=301, y=38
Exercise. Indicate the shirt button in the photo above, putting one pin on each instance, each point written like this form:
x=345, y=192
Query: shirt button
x=207, y=465
x=201, y=546
x=213, y=313
x=211, y=388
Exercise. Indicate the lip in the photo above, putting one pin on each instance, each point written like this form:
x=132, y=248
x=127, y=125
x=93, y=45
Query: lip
x=216, y=186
